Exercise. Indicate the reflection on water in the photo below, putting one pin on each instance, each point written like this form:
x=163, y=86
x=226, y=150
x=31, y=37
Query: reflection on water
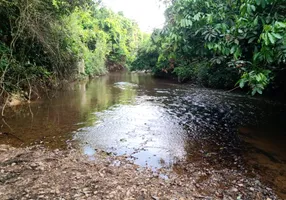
x=156, y=122
x=53, y=120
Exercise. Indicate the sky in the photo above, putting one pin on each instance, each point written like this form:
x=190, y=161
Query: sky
x=147, y=13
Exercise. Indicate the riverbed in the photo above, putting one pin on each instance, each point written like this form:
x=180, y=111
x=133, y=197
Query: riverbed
x=157, y=123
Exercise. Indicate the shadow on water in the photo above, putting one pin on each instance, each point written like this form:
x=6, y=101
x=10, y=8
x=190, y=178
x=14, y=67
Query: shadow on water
x=157, y=123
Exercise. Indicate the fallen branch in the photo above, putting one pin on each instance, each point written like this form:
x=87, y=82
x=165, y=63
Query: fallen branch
x=233, y=89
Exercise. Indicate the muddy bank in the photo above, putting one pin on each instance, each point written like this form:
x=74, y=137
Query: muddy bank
x=37, y=173
x=37, y=91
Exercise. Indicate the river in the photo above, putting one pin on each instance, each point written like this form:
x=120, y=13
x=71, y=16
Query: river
x=157, y=123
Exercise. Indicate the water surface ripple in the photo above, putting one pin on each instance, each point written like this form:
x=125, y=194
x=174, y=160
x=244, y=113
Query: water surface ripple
x=155, y=122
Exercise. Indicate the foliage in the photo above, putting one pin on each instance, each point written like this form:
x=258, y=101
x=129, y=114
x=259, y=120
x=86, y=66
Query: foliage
x=244, y=37
x=147, y=54
x=256, y=81
x=42, y=41
x=32, y=45
x=124, y=36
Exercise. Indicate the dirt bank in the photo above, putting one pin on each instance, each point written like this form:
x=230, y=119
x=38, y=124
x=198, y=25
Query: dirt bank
x=37, y=173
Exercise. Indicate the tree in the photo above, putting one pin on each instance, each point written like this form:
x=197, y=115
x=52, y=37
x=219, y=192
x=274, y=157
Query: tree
x=42, y=42
x=204, y=40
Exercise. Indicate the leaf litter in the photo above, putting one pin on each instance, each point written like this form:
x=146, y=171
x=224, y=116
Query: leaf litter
x=39, y=173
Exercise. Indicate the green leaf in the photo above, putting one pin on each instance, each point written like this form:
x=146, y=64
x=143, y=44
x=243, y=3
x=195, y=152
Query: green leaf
x=259, y=91
x=242, y=83
x=277, y=35
x=256, y=56
x=263, y=3
x=280, y=24
x=251, y=40
x=253, y=91
x=210, y=45
x=255, y=22
x=248, y=8
x=258, y=78
x=237, y=53
x=265, y=38
x=253, y=8
x=55, y=3
x=232, y=50
x=271, y=38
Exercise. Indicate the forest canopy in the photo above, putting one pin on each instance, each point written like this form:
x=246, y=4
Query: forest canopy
x=220, y=44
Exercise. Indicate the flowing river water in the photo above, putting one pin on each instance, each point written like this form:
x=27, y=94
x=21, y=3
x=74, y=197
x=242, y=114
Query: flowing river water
x=157, y=123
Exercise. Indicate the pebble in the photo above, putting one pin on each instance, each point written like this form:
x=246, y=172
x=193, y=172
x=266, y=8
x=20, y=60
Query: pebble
x=127, y=181
x=77, y=195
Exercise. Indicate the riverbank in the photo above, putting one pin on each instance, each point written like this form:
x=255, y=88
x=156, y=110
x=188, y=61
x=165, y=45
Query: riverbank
x=39, y=91
x=38, y=173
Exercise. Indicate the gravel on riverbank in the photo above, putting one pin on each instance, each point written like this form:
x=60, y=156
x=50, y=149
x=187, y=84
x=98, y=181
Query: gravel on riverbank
x=38, y=173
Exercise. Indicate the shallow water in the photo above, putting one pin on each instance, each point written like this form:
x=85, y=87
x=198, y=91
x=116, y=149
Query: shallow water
x=156, y=123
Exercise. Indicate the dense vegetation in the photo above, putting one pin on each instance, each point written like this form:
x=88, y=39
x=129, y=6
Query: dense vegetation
x=43, y=41
x=220, y=43
x=216, y=43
